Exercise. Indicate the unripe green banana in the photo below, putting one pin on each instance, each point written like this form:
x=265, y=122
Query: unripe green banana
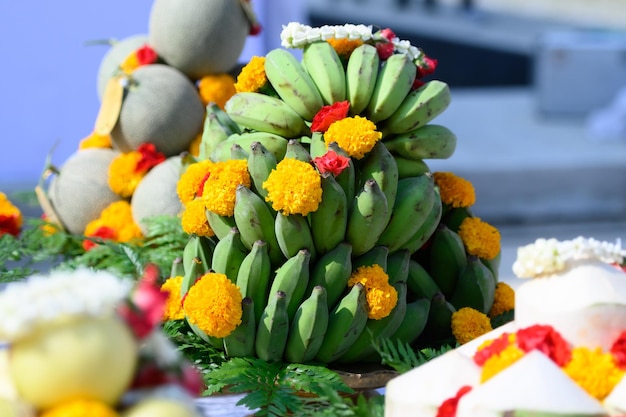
x=276, y=144
x=367, y=218
x=322, y=63
x=427, y=142
x=414, y=202
x=317, y=147
x=475, y=287
x=228, y=254
x=255, y=221
x=198, y=249
x=393, y=83
x=398, y=266
x=380, y=165
x=447, y=258
x=254, y=276
x=414, y=322
x=177, y=269
x=361, y=75
x=237, y=152
x=439, y=325
x=346, y=321
x=260, y=163
x=295, y=150
x=454, y=216
x=376, y=256
x=218, y=126
x=273, y=329
x=347, y=178
x=410, y=167
x=293, y=234
x=329, y=221
x=220, y=225
x=240, y=342
x=419, y=281
x=292, y=278
x=494, y=266
x=363, y=347
x=418, y=108
x=292, y=83
x=308, y=327
x=332, y=271
x=263, y=113
x=428, y=227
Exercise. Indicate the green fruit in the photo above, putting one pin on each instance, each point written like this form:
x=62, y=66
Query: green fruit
x=115, y=56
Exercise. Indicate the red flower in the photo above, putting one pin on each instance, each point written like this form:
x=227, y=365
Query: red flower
x=9, y=225
x=255, y=29
x=150, y=157
x=417, y=83
x=427, y=67
x=496, y=346
x=618, y=350
x=145, y=309
x=331, y=162
x=388, y=34
x=151, y=375
x=448, y=407
x=201, y=186
x=146, y=55
x=385, y=50
x=547, y=340
x=102, y=232
x=327, y=115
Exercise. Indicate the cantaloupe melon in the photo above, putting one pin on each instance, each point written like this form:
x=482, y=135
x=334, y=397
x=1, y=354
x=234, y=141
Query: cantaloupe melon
x=115, y=55
x=199, y=37
x=156, y=193
x=162, y=407
x=161, y=106
x=81, y=191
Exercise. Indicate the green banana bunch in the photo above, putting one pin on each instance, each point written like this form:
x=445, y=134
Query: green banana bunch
x=361, y=75
x=380, y=165
x=254, y=276
x=346, y=321
x=295, y=150
x=265, y=113
x=292, y=278
x=413, y=204
x=414, y=321
x=240, y=342
x=220, y=225
x=273, y=329
x=260, y=163
x=329, y=221
x=393, y=83
x=447, y=258
x=454, y=216
x=237, y=152
x=177, y=269
x=218, y=126
x=426, y=142
x=292, y=83
x=363, y=347
x=255, y=221
x=376, y=256
x=198, y=249
x=293, y=234
x=439, y=324
x=228, y=254
x=307, y=329
x=276, y=144
x=367, y=218
x=332, y=271
x=347, y=177
x=410, y=167
x=475, y=287
x=418, y=108
x=398, y=266
x=322, y=63
x=317, y=147
x=419, y=281
x=428, y=226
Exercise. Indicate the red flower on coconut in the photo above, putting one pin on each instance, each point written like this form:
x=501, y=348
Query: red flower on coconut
x=618, y=350
x=146, y=55
x=329, y=114
x=331, y=162
x=449, y=406
x=150, y=157
x=547, y=340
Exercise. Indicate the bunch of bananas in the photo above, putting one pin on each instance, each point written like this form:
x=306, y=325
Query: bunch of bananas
x=293, y=270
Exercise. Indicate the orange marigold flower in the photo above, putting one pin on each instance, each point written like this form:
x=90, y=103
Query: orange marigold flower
x=115, y=223
x=468, y=324
x=455, y=191
x=191, y=183
x=594, y=370
x=500, y=361
x=356, y=135
x=252, y=76
x=294, y=187
x=10, y=217
x=503, y=300
x=216, y=88
x=344, y=46
x=221, y=186
x=173, y=306
x=381, y=296
x=480, y=238
x=95, y=140
x=194, y=146
x=213, y=304
x=80, y=408
x=123, y=176
x=194, y=220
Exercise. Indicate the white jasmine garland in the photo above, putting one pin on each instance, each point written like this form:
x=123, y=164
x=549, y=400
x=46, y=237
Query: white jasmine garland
x=42, y=299
x=548, y=256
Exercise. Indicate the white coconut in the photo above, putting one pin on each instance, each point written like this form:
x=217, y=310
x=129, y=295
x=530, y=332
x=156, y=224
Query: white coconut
x=615, y=402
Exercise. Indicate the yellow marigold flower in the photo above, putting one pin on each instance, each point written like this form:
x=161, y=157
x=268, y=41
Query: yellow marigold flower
x=294, y=187
x=173, y=308
x=130, y=64
x=216, y=88
x=356, y=135
x=81, y=408
x=252, y=76
x=503, y=300
x=213, y=303
x=95, y=140
x=468, y=324
x=344, y=47
x=117, y=216
x=10, y=217
x=194, y=220
x=480, y=238
x=594, y=371
x=194, y=146
x=190, y=183
x=455, y=191
x=381, y=296
x=123, y=175
x=500, y=361
x=221, y=186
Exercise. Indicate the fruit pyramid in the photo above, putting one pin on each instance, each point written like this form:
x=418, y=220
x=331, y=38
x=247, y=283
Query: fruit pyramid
x=315, y=225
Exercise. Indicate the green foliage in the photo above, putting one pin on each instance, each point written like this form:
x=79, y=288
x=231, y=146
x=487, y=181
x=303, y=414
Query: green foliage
x=503, y=318
x=402, y=357
x=204, y=356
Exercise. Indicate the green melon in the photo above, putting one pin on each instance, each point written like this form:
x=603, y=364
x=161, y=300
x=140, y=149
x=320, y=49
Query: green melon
x=161, y=106
x=156, y=193
x=199, y=37
x=116, y=54
x=80, y=191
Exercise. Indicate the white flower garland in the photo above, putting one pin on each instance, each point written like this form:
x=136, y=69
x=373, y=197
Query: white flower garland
x=43, y=299
x=548, y=256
